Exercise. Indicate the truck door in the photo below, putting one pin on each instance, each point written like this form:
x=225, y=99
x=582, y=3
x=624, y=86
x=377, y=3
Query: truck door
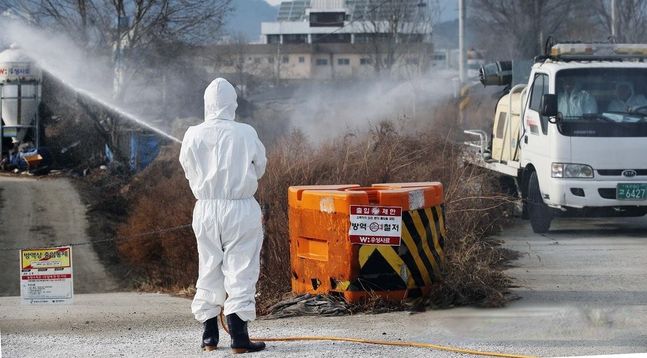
x=535, y=143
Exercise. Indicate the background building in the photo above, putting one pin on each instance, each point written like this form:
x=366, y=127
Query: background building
x=334, y=39
x=349, y=21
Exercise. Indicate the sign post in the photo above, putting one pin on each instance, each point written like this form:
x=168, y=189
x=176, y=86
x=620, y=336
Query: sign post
x=46, y=276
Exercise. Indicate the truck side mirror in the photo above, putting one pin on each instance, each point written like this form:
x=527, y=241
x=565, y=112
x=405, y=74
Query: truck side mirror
x=549, y=105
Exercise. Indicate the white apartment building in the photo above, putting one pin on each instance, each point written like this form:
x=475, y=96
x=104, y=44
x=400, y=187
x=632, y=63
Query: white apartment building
x=334, y=39
x=349, y=21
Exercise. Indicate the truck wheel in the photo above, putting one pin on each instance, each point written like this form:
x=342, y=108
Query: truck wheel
x=539, y=213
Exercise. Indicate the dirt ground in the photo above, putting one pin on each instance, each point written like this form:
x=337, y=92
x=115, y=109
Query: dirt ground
x=581, y=287
x=42, y=212
x=582, y=291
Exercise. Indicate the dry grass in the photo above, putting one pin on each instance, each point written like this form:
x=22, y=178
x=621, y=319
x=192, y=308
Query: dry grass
x=475, y=209
x=161, y=199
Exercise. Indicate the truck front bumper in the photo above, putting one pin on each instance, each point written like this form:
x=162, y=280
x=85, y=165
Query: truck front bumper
x=584, y=193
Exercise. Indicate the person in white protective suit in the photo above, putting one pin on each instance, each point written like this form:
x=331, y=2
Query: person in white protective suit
x=223, y=161
x=573, y=101
x=625, y=99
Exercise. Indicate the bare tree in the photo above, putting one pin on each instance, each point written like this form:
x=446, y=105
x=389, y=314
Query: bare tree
x=390, y=27
x=188, y=20
x=141, y=35
x=524, y=24
x=238, y=61
x=237, y=55
x=630, y=16
x=129, y=27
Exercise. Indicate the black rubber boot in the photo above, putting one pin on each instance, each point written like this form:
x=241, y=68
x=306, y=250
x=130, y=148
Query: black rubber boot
x=210, y=336
x=240, y=342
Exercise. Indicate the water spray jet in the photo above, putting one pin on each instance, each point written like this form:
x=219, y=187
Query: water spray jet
x=122, y=113
x=69, y=66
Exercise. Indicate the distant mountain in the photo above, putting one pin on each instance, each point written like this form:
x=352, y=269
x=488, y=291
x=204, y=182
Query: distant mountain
x=247, y=17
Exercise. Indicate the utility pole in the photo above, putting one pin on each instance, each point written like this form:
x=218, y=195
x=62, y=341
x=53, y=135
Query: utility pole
x=539, y=27
x=122, y=33
x=461, y=42
x=613, y=20
x=278, y=55
x=462, y=89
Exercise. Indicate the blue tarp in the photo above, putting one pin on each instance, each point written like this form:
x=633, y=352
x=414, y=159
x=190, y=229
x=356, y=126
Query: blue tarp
x=144, y=148
x=108, y=154
x=18, y=159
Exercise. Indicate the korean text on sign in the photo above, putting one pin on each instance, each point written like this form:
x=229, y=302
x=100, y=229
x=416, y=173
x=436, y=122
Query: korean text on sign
x=46, y=275
x=375, y=225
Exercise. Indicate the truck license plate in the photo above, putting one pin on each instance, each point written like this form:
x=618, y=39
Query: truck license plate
x=631, y=191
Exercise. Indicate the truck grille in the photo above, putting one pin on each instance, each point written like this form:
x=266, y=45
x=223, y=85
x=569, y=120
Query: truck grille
x=618, y=172
x=607, y=193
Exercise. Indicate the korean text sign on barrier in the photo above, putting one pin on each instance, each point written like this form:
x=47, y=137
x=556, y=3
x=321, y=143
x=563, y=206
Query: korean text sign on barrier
x=46, y=275
x=375, y=225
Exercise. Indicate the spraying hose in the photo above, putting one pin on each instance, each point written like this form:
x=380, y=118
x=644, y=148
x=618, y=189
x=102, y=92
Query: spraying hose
x=382, y=343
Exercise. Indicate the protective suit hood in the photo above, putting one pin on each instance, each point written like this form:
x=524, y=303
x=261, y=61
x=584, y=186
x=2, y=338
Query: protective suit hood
x=220, y=100
x=626, y=85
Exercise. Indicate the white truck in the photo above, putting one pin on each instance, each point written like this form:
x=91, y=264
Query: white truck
x=574, y=138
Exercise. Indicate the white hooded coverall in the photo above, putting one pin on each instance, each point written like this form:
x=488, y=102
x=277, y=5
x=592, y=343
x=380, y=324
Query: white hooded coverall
x=576, y=103
x=632, y=102
x=223, y=161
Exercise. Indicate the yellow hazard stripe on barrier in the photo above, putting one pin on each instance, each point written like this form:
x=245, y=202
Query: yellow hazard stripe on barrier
x=342, y=285
x=386, y=251
x=428, y=234
x=417, y=221
x=418, y=262
x=435, y=232
x=443, y=231
x=413, y=249
x=441, y=219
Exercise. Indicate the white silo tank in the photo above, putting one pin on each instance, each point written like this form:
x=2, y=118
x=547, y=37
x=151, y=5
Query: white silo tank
x=20, y=83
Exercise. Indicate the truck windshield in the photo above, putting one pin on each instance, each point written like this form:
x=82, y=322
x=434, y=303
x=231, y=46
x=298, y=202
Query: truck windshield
x=602, y=102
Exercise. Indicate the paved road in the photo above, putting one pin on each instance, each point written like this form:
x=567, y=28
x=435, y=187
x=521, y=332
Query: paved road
x=583, y=291
x=45, y=212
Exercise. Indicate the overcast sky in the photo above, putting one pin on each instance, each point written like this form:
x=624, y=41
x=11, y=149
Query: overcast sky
x=274, y=2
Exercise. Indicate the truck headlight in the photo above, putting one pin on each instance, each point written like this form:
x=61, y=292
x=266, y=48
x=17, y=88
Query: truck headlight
x=567, y=170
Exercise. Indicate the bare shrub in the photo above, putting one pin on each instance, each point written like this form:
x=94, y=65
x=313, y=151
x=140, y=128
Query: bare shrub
x=162, y=204
x=475, y=208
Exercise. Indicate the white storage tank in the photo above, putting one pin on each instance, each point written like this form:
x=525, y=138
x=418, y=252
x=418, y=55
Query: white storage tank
x=20, y=87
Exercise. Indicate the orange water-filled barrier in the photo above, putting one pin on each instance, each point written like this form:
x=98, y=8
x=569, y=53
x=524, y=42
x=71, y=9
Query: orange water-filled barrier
x=385, y=240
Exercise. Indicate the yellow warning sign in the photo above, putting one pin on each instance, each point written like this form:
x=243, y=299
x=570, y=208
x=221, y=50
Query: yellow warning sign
x=57, y=257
